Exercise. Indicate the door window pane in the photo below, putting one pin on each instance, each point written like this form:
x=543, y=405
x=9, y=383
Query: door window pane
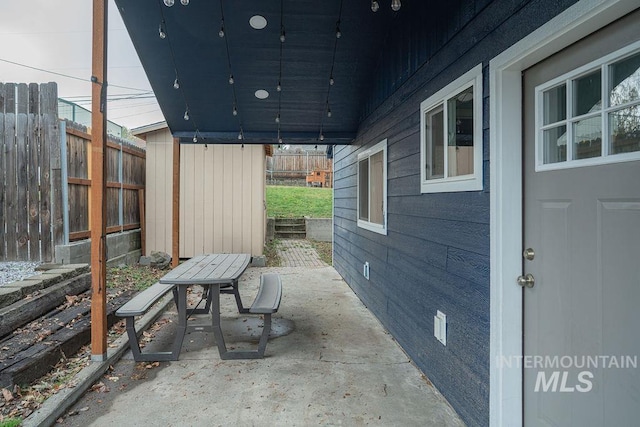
x=587, y=94
x=625, y=130
x=363, y=188
x=555, y=145
x=587, y=138
x=625, y=81
x=435, y=143
x=555, y=105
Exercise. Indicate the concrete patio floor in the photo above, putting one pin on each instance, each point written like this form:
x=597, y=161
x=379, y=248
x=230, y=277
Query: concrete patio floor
x=332, y=364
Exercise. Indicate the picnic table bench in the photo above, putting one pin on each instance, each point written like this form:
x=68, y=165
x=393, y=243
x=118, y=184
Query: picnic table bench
x=217, y=273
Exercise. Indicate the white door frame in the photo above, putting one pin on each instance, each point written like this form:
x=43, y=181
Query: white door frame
x=505, y=73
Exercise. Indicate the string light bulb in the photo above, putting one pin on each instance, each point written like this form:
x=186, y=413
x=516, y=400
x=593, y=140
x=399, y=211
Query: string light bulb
x=321, y=137
x=221, y=32
x=240, y=135
x=395, y=5
x=235, y=111
x=231, y=81
x=374, y=6
x=338, y=32
x=176, y=84
x=186, y=115
x=329, y=113
x=195, y=138
x=168, y=3
x=279, y=87
x=278, y=118
x=282, y=35
x=184, y=2
x=331, y=81
x=161, y=31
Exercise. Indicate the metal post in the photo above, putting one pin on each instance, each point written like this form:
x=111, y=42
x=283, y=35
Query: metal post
x=65, y=179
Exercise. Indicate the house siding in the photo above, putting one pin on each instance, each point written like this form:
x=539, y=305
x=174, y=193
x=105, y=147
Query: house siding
x=435, y=255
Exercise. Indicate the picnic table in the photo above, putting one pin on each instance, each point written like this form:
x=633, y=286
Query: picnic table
x=216, y=273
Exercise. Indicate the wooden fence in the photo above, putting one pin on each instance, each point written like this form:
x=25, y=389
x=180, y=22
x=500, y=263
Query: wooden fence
x=296, y=165
x=45, y=181
x=30, y=181
x=125, y=183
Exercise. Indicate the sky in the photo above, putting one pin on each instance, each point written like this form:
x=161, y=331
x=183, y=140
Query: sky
x=56, y=36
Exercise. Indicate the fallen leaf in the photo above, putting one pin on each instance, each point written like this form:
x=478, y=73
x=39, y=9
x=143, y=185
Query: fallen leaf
x=152, y=365
x=8, y=396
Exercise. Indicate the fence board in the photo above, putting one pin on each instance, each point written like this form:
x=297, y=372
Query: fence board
x=33, y=186
x=2, y=167
x=113, y=205
x=78, y=208
x=22, y=160
x=10, y=171
x=77, y=154
x=55, y=161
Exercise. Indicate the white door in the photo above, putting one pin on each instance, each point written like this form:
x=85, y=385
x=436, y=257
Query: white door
x=582, y=223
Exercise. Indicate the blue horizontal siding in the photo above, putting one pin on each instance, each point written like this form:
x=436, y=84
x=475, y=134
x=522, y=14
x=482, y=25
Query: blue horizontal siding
x=435, y=255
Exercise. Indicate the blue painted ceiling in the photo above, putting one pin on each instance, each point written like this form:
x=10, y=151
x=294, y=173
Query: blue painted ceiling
x=193, y=52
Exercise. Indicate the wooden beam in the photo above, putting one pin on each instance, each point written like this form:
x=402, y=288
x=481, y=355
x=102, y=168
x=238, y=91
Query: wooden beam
x=98, y=208
x=175, y=223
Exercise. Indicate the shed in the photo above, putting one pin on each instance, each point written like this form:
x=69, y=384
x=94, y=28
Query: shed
x=222, y=195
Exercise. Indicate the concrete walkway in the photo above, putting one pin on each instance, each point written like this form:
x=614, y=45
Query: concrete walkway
x=298, y=253
x=331, y=364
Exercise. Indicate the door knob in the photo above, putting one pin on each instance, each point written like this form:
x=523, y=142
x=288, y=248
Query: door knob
x=528, y=254
x=526, y=281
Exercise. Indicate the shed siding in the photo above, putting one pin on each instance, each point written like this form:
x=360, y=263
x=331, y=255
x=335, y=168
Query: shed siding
x=435, y=255
x=222, y=193
x=159, y=170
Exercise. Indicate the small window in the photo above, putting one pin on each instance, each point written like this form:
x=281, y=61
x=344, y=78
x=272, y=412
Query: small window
x=451, y=136
x=591, y=115
x=372, y=188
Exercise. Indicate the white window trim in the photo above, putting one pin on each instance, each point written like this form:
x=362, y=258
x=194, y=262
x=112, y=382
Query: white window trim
x=367, y=225
x=601, y=64
x=472, y=182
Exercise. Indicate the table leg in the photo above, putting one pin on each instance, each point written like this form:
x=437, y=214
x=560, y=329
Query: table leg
x=182, y=321
x=214, y=295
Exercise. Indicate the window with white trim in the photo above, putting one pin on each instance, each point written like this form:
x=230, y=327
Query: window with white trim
x=451, y=136
x=372, y=188
x=591, y=115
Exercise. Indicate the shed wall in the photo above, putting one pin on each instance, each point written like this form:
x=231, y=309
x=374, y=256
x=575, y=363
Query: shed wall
x=222, y=193
x=435, y=255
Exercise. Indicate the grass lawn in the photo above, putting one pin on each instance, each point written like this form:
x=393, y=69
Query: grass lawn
x=296, y=202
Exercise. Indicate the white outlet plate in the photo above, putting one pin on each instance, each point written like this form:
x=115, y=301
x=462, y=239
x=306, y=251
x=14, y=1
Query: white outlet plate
x=440, y=327
x=365, y=270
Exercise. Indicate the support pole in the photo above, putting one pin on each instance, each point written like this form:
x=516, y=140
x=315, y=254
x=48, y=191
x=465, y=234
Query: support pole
x=98, y=207
x=175, y=223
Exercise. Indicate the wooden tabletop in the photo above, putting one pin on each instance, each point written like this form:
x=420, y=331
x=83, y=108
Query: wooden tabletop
x=208, y=269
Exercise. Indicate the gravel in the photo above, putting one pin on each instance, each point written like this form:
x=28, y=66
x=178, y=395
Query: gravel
x=14, y=271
